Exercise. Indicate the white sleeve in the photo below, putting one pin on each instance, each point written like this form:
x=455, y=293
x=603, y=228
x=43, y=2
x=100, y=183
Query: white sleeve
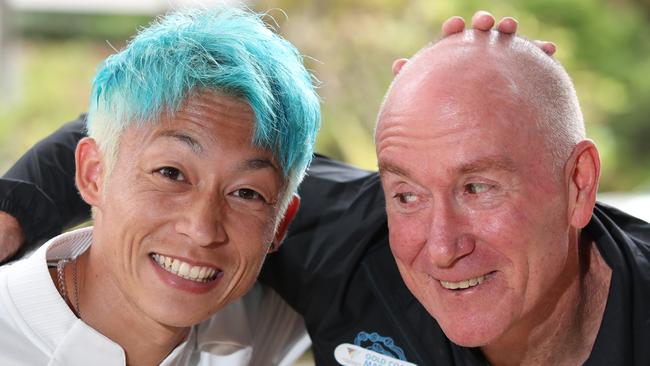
x=279, y=333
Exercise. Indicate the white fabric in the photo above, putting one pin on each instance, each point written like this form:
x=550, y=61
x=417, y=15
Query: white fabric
x=38, y=328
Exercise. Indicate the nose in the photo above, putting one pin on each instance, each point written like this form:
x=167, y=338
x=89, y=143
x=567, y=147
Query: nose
x=448, y=239
x=203, y=222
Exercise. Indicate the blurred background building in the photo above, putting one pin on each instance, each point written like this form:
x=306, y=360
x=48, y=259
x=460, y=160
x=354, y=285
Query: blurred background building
x=49, y=50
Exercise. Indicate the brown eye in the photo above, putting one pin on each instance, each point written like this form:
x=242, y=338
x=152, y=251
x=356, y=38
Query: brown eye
x=248, y=194
x=171, y=173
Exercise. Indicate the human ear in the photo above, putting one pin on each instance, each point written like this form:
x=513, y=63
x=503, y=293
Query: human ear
x=289, y=215
x=583, y=171
x=398, y=64
x=89, y=171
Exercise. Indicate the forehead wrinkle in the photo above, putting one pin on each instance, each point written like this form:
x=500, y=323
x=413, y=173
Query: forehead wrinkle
x=186, y=139
x=215, y=106
x=219, y=104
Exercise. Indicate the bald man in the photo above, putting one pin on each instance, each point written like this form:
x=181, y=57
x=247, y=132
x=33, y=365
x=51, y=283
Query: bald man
x=490, y=185
x=496, y=255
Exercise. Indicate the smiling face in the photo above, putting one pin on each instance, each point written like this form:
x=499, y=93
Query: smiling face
x=187, y=214
x=477, y=212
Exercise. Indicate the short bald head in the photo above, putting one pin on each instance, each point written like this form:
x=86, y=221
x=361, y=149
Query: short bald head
x=475, y=72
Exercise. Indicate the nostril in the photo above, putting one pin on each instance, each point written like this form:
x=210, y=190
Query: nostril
x=466, y=245
x=444, y=253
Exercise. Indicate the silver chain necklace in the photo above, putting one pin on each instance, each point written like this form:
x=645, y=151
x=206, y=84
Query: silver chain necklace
x=60, y=266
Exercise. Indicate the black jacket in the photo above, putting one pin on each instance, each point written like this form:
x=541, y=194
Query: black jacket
x=336, y=268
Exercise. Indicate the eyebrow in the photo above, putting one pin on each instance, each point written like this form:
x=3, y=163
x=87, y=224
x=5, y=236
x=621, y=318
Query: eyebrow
x=502, y=163
x=389, y=167
x=256, y=164
x=188, y=140
x=499, y=162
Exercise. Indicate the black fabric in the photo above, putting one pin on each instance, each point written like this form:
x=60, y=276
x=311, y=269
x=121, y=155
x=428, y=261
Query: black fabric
x=39, y=190
x=624, y=243
x=336, y=268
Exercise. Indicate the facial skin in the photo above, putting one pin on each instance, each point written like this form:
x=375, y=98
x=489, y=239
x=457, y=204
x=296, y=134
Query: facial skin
x=191, y=188
x=473, y=198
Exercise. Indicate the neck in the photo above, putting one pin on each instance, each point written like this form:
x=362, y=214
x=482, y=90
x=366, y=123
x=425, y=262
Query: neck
x=104, y=308
x=563, y=330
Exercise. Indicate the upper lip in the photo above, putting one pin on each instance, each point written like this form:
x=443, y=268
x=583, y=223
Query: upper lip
x=192, y=262
x=186, y=270
x=459, y=278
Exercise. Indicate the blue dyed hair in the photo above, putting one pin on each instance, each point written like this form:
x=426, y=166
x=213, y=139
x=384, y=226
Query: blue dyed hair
x=227, y=50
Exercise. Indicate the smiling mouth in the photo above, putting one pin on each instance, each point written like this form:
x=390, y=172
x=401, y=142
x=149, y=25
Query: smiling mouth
x=465, y=284
x=185, y=270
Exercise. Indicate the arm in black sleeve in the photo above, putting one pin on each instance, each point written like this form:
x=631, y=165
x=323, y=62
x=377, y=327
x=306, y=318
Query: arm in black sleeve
x=323, y=243
x=39, y=190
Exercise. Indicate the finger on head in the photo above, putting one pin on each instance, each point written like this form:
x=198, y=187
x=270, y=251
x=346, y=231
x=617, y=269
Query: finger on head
x=398, y=64
x=482, y=20
x=549, y=48
x=453, y=25
x=507, y=25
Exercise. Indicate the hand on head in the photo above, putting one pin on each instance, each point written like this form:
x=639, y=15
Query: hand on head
x=483, y=21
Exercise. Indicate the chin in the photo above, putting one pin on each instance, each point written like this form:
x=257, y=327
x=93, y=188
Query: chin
x=179, y=315
x=467, y=337
x=468, y=330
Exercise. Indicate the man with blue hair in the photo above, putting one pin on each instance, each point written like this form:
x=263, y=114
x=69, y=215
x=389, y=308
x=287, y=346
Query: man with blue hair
x=200, y=131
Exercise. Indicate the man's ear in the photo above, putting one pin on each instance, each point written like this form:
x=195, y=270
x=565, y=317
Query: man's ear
x=398, y=64
x=89, y=170
x=289, y=215
x=583, y=171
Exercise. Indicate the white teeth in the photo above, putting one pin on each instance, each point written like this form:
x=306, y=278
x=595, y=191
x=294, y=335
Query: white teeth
x=463, y=284
x=184, y=269
x=194, y=272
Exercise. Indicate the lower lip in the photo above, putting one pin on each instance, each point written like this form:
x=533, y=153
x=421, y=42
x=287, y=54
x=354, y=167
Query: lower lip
x=182, y=284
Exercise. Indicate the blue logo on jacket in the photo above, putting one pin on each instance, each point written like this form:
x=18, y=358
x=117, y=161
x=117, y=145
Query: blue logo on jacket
x=379, y=344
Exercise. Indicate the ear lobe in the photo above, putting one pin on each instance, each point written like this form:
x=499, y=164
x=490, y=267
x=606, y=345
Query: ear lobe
x=583, y=171
x=289, y=215
x=398, y=64
x=89, y=171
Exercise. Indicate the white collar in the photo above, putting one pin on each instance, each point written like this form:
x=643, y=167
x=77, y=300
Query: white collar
x=226, y=334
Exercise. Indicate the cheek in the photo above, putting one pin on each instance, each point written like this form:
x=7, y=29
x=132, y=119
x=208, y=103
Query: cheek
x=407, y=236
x=249, y=248
x=551, y=253
x=528, y=237
x=250, y=236
x=129, y=200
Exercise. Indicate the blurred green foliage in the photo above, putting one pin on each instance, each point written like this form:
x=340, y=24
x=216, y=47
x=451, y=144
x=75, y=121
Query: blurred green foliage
x=605, y=45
